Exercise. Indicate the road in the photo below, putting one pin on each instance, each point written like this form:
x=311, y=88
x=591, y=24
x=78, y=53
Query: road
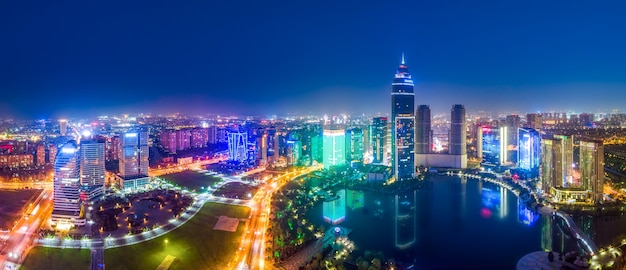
x=180, y=168
x=251, y=254
x=21, y=185
x=19, y=240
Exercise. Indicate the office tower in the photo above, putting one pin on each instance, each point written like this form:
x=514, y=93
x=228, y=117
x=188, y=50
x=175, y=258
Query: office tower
x=551, y=164
x=423, y=130
x=134, y=154
x=378, y=131
x=63, y=126
x=238, y=146
x=212, y=135
x=493, y=145
x=92, y=173
x=334, y=147
x=403, y=122
x=567, y=165
x=512, y=124
x=534, y=121
x=67, y=206
x=317, y=153
x=294, y=152
x=354, y=145
x=458, y=131
x=529, y=148
x=592, y=168
x=169, y=140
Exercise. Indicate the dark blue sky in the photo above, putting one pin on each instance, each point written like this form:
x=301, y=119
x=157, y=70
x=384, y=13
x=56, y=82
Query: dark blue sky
x=59, y=58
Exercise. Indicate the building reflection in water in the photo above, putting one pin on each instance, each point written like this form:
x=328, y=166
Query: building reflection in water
x=405, y=219
x=495, y=201
x=458, y=188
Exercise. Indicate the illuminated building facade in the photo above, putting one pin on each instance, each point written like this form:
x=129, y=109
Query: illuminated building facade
x=493, y=147
x=294, y=152
x=592, y=168
x=534, y=121
x=512, y=124
x=354, y=145
x=529, y=147
x=551, y=164
x=423, y=130
x=334, y=147
x=403, y=124
x=567, y=152
x=67, y=206
x=458, y=131
x=199, y=137
x=238, y=146
x=63, y=127
x=168, y=140
x=134, y=154
x=378, y=135
x=92, y=172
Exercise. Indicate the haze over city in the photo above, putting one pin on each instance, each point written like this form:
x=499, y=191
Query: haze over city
x=265, y=58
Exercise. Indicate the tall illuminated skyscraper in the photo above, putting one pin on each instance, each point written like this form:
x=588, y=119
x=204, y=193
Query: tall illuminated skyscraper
x=354, y=145
x=528, y=150
x=567, y=146
x=134, y=154
x=592, y=168
x=551, y=164
x=334, y=147
x=238, y=146
x=378, y=135
x=67, y=206
x=92, y=173
x=458, y=131
x=423, y=131
x=403, y=124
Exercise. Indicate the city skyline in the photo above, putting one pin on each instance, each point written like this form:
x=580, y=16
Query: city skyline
x=216, y=58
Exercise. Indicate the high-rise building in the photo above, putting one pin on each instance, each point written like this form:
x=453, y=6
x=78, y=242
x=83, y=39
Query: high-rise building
x=592, y=168
x=567, y=147
x=354, y=145
x=493, y=145
x=134, y=154
x=378, y=135
x=212, y=135
x=458, y=131
x=534, y=121
x=334, y=147
x=261, y=146
x=403, y=119
x=41, y=154
x=512, y=124
x=183, y=139
x=52, y=153
x=238, y=146
x=67, y=206
x=169, y=140
x=63, y=126
x=529, y=147
x=113, y=147
x=551, y=164
x=92, y=172
x=199, y=137
x=423, y=130
x=294, y=152
x=317, y=151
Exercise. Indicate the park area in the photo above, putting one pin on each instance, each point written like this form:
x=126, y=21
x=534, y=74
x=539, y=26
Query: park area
x=13, y=202
x=192, y=180
x=194, y=245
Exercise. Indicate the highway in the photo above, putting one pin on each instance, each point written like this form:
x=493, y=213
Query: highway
x=251, y=253
x=19, y=240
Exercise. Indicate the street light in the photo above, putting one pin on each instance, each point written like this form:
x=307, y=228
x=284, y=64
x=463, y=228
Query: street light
x=165, y=245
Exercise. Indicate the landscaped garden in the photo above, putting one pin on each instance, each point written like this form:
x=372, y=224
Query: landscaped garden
x=57, y=259
x=195, y=245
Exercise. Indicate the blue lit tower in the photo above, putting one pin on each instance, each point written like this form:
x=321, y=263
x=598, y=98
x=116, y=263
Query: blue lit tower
x=403, y=124
x=67, y=206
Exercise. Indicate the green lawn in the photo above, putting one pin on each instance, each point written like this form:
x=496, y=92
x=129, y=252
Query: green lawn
x=195, y=244
x=191, y=179
x=57, y=258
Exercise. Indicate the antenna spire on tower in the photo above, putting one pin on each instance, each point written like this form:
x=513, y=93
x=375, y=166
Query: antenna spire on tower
x=402, y=58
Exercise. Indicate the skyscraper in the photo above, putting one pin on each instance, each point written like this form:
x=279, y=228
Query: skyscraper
x=134, y=154
x=528, y=150
x=63, y=127
x=592, y=168
x=512, y=124
x=378, y=133
x=334, y=147
x=551, y=164
x=354, y=145
x=458, y=131
x=567, y=152
x=238, y=146
x=92, y=173
x=403, y=124
x=534, y=121
x=423, y=130
x=67, y=206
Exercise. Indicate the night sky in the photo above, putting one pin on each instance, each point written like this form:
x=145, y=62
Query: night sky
x=62, y=58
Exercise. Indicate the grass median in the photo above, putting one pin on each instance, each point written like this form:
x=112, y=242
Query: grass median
x=195, y=244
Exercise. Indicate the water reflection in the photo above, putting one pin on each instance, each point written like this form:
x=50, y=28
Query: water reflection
x=405, y=219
